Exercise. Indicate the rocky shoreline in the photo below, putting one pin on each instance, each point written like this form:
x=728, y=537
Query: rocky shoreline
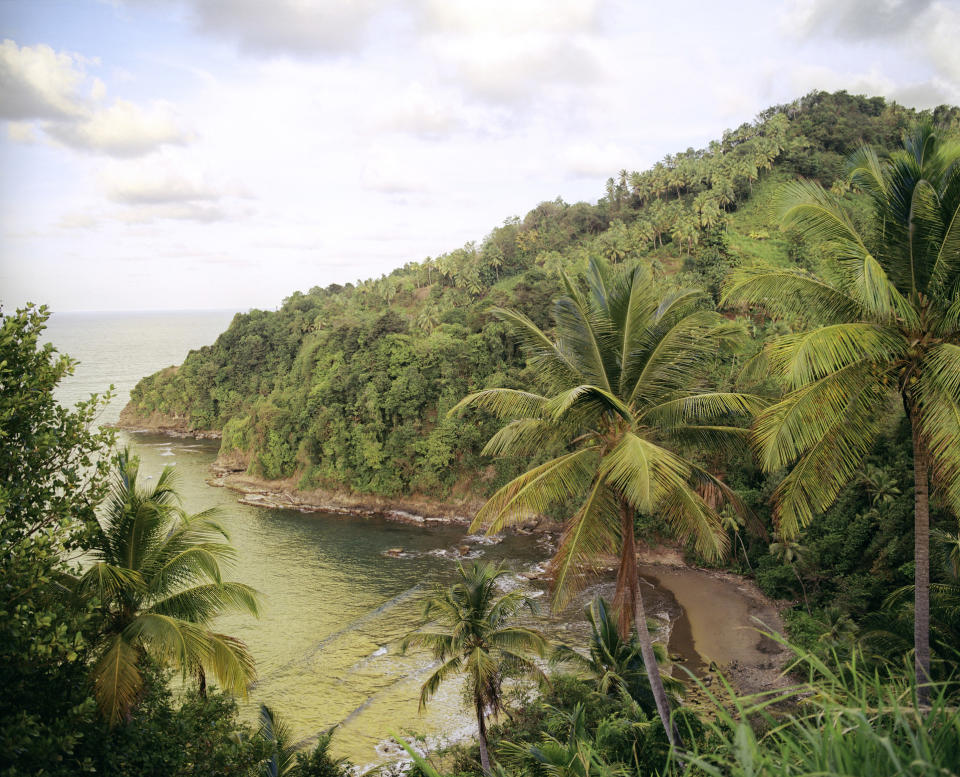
x=284, y=495
x=756, y=668
x=170, y=425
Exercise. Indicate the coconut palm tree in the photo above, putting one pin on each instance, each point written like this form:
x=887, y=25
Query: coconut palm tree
x=790, y=552
x=614, y=662
x=469, y=628
x=883, y=331
x=625, y=374
x=155, y=574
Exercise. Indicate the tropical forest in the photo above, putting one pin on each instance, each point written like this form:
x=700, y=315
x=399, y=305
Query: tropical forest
x=736, y=371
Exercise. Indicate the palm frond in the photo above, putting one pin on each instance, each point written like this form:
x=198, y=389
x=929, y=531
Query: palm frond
x=105, y=581
x=939, y=422
x=542, y=353
x=804, y=417
x=503, y=403
x=703, y=409
x=228, y=659
x=831, y=429
x=116, y=679
x=800, y=359
x=589, y=533
x=594, y=399
x=791, y=294
x=587, y=337
x=530, y=494
x=690, y=517
x=643, y=472
x=202, y=603
x=523, y=437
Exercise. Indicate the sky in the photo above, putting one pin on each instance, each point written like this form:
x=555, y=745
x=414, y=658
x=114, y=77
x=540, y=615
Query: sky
x=221, y=154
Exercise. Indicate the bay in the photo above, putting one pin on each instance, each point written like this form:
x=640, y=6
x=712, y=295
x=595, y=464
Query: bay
x=334, y=606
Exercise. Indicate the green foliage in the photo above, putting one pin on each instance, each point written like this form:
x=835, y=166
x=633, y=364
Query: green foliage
x=841, y=719
x=197, y=735
x=336, y=392
x=50, y=483
x=613, y=662
x=154, y=573
x=319, y=762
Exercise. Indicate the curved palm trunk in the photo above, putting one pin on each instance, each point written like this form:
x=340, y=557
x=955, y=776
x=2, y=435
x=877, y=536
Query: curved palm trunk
x=921, y=555
x=802, y=588
x=630, y=603
x=482, y=738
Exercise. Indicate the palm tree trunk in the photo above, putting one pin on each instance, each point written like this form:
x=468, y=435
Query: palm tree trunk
x=802, y=588
x=921, y=557
x=630, y=602
x=745, y=556
x=482, y=738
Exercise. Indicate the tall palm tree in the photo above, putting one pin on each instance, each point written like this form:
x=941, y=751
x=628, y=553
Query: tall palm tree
x=469, y=628
x=884, y=331
x=155, y=572
x=624, y=376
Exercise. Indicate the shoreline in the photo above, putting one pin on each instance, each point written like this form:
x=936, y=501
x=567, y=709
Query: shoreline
x=753, y=662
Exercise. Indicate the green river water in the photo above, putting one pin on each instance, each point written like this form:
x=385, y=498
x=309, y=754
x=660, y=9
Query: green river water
x=334, y=607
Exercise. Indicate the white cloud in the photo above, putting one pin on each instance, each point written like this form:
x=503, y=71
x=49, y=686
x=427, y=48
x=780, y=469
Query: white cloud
x=594, y=160
x=295, y=27
x=123, y=129
x=506, y=51
x=508, y=17
x=157, y=183
x=512, y=68
x=21, y=132
x=943, y=42
x=420, y=112
x=54, y=90
x=388, y=173
x=855, y=19
x=38, y=83
x=928, y=29
x=184, y=211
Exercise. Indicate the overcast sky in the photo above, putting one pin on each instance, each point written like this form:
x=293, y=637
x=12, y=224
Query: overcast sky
x=178, y=154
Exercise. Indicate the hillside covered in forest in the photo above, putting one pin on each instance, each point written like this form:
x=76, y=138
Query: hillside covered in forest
x=347, y=388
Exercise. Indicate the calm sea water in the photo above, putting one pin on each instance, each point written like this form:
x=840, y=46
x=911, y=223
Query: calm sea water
x=334, y=607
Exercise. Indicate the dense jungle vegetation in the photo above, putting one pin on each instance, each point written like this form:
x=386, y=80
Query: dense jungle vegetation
x=715, y=328
x=349, y=387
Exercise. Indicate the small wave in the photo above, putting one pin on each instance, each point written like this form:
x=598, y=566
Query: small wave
x=484, y=539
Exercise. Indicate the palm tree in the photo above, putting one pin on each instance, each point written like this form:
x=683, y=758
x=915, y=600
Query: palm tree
x=790, y=552
x=468, y=629
x=884, y=331
x=615, y=662
x=275, y=731
x=888, y=632
x=155, y=572
x=880, y=485
x=578, y=756
x=732, y=522
x=625, y=372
